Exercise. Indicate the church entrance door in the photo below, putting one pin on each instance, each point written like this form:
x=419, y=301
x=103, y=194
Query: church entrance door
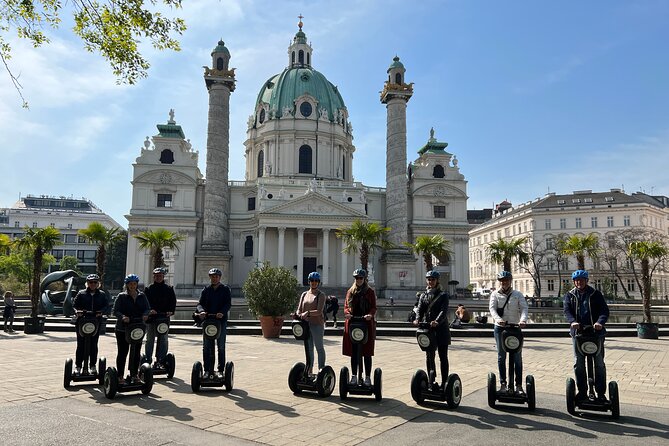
x=309, y=265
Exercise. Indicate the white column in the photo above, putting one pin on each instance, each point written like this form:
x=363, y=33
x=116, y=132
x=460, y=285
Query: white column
x=344, y=265
x=282, y=244
x=300, y=254
x=261, y=243
x=326, y=256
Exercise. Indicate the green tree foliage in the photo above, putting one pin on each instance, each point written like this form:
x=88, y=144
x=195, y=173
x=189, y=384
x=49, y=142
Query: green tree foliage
x=16, y=272
x=271, y=291
x=157, y=240
x=112, y=28
x=5, y=244
x=104, y=237
x=650, y=254
x=116, y=261
x=581, y=246
x=503, y=251
x=364, y=238
x=37, y=242
x=428, y=246
x=69, y=262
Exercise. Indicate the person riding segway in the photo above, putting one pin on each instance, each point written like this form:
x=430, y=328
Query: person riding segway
x=163, y=303
x=434, y=335
x=508, y=309
x=359, y=340
x=587, y=312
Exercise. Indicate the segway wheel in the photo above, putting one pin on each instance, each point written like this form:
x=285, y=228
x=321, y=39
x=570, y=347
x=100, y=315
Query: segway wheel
x=146, y=375
x=229, y=379
x=531, y=392
x=326, y=381
x=170, y=365
x=102, y=366
x=615, y=400
x=196, y=376
x=571, y=396
x=110, y=385
x=294, y=376
x=453, y=391
x=418, y=386
x=492, y=389
x=67, y=376
x=377, y=384
x=343, y=383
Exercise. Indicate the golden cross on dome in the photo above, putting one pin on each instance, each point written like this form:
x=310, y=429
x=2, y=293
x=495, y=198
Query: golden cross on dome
x=300, y=24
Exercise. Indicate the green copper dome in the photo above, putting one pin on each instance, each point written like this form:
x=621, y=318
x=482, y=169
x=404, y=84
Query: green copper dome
x=220, y=48
x=280, y=91
x=396, y=64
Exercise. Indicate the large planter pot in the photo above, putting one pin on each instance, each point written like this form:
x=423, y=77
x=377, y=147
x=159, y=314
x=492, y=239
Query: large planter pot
x=33, y=325
x=271, y=326
x=647, y=331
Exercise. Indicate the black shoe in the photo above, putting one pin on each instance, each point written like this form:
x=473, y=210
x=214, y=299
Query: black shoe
x=580, y=397
x=601, y=398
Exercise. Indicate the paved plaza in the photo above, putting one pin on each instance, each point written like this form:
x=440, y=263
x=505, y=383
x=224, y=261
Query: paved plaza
x=35, y=409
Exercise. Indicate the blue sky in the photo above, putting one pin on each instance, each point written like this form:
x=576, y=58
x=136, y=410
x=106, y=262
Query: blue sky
x=532, y=96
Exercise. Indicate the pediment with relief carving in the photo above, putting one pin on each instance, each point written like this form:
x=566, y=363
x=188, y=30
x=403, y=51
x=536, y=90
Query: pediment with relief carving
x=313, y=204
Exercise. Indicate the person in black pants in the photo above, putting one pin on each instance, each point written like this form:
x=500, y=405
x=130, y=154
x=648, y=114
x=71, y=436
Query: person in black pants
x=433, y=308
x=215, y=299
x=162, y=300
x=129, y=304
x=89, y=299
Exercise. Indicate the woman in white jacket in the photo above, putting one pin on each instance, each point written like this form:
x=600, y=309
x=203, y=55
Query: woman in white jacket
x=508, y=306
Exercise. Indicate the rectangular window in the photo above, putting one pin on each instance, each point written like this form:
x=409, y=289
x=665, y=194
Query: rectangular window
x=485, y=238
x=17, y=224
x=565, y=265
x=70, y=238
x=164, y=200
x=547, y=223
x=575, y=200
x=34, y=224
x=86, y=256
x=70, y=252
x=587, y=200
x=57, y=253
x=251, y=204
x=506, y=232
x=593, y=222
x=630, y=285
x=598, y=284
x=550, y=243
x=626, y=220
x=439, y=211
x=563, y=223
x=608, y=199
x=248, y=246
x=609, y=222
x=551, y=285
x=561, y=202
x=578, y=222
x=69, y=226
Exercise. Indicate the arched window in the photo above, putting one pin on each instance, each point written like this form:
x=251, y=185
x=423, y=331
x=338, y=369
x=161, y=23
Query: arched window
x=308, y=59
x=248, y=246
x=300, y=57
x=166, y=156
x=220, y=63
x=343, y=167
x=438, y=171
x=261, y=163
x=292, y=58
x=261, y=118
x=398, y=78
x=305, y=159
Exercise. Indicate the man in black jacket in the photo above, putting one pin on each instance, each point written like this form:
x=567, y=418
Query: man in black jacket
x=93, y=300
x=162, y=300
x=215, y=299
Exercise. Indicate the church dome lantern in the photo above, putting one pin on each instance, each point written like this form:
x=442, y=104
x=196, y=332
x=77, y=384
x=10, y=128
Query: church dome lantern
x=220, y=57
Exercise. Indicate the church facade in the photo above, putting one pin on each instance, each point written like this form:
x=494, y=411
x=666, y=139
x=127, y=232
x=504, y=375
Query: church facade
x=298, y=187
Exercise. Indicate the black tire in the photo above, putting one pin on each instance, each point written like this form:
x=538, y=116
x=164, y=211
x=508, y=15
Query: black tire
x=170, y=365
x=229, y=379
x=453, y=391
x=326, y=381
x=294, y=376
x=418, y=386
x=196, y=376
x=530, y=392
x=492, y=390
x=67, y=375
x=571, y=396
x=146, y=375
x=343, y=382
x=102, y=366
x=615, y=400
x=378, y=384
x=110, y=385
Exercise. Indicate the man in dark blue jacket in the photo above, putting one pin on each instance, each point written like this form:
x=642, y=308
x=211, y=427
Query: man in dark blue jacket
x=585, y=306
x=215, y=299
x=162, y=300
x=93, y=300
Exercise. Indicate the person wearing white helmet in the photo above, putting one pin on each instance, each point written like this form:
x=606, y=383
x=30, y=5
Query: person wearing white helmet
x=215, y=299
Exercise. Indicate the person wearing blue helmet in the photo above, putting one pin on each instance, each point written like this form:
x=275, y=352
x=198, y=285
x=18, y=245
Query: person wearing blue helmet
x=433, y=309
x=215, y=299
x=360, y=301
x=310, y=308
x=508, y=306
x=586, y=306
x=129, y=304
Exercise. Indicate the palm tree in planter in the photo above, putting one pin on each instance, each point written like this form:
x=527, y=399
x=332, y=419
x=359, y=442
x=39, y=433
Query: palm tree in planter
x=271, y=294
x=581, y=246
x=503, y=251
x=364, y=238
x=104, y=237
x=37, y=242
x=156, y=241
x=650, y=254
x=428, y=246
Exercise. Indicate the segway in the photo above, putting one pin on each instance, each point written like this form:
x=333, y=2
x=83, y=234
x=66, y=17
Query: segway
x=512, y=343
x=424, y=385
x=88, y=325
x=590, y=344
x=358, y=333
x=299, y=378
x=134, y=333
x=168, y=364
x=211, y=329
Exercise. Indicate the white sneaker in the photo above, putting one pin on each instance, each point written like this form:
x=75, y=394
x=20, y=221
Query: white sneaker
x=503, y=388
x=354, y=381
x=368, y=381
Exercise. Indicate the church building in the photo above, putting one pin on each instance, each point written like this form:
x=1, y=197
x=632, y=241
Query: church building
x=298, y=187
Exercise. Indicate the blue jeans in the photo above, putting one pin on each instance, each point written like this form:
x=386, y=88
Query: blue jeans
x=208, y=350
x=150, y=340
x=501, y=360
x=580, y=372
x=316, y=338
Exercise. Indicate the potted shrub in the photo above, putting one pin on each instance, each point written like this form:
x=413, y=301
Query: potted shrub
x=650, y=254
x=271, y=294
